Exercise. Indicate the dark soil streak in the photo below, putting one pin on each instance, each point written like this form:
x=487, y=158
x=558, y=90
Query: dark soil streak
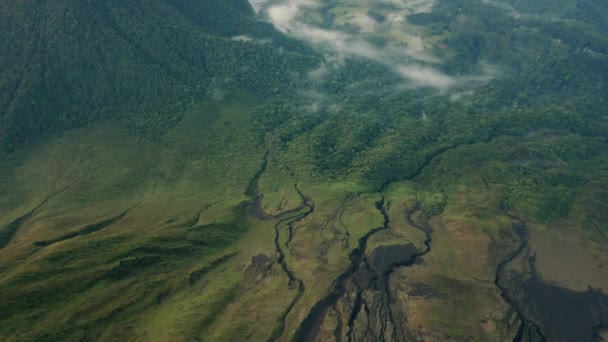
x=198, y=274
x=310, y=325
x=90, y=229
x=7, y=233
x=346, y=239
x=253, y=191
x=357, y=305
x=252, y=187
x=335, y=218
x=598, y=328
x=359, y=263
x=525, y=324
x=287, y=218
x=381, y=282
x=306, y=203
x=293, y=280
x=425, y=227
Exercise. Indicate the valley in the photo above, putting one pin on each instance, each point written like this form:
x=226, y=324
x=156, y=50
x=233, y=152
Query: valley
x=294, y=170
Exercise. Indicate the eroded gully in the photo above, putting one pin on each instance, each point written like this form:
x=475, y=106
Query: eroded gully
x=285, y=219
x=288, y=222
x=527, y=330
x=377, y=280
x=362, y=276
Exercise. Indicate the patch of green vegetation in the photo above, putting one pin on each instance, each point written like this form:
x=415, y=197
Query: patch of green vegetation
x=142, y=68
x=180, y=221
x=54, y=287
x=194, y=115
x=539, y=176
x=545, y=196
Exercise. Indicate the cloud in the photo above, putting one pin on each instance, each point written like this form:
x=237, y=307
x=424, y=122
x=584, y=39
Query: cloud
x=258, y=5
x=411, y=61
x=459, y=95
x=364, y=23
x=512, y=11
x=282, y=15
x=413, y=6
x=242, y=38
x=426, y=77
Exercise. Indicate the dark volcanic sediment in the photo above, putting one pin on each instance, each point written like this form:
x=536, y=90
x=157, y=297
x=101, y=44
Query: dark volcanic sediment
x=548, y=312
x=527, y=330
x=308, y=329
x=563, y=314
x=381, y=322
x=368, y=277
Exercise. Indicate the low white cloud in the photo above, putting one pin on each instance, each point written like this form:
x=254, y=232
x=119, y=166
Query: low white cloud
x=242, y=38
x=282, y=15
x=364, y=23
x=426, y=77
x=412, y=6
x=455, y=97
x=331, y=62
x=395, y=18
x=410, y=58
x=258, y=4
x=512, y=11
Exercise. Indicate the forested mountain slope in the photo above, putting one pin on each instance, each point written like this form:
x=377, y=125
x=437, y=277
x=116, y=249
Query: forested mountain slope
x=280, y=170
x=70, y=63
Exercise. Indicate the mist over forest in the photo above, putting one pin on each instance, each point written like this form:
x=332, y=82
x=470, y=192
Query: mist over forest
x=304, y=170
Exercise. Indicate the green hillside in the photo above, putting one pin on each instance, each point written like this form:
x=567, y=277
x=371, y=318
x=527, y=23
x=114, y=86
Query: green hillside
x=71, y=64
x=213, y=170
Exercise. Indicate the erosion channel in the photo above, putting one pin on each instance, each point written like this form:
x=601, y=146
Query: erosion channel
x=546, y=311
x=287, y=220
x=528, y=330
x=361, y=296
